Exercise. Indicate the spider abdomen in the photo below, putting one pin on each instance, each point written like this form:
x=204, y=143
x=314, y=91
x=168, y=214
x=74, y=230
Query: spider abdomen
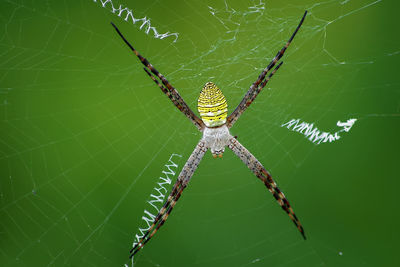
x=212, y=106
x=216, y=139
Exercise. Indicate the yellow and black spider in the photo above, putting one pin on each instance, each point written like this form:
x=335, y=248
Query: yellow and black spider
x=215, y=125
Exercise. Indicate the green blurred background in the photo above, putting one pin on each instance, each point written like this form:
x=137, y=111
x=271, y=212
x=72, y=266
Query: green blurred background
x=85, y=134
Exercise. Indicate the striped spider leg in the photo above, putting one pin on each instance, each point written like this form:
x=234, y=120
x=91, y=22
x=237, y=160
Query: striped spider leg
x=166, y=87
x=258, y=169
x=181, y=183
x=255, y=88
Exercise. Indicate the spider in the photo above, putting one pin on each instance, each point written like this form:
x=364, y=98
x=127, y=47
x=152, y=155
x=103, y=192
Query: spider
x=215, y=125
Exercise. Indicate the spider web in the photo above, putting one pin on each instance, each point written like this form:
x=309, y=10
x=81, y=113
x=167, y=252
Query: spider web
x=85, y=134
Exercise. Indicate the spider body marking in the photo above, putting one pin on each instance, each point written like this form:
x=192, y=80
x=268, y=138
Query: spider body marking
x=212, y=106
x=215, y=125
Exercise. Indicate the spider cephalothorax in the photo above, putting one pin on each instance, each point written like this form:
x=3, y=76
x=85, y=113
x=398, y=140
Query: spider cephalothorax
x=216, y=139
x=215, y=125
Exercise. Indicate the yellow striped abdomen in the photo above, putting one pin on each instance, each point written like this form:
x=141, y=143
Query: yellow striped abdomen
x=212, y=106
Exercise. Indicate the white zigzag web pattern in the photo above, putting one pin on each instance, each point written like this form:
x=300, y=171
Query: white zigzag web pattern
x=146, y=24
x=313, y=134
x=157, y=200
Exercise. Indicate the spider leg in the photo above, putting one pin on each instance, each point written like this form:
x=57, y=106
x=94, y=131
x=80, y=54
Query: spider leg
x=262, y=85
x=256, y=167
x=253, y=92
x=156, y=224
x=163, y=217
x=181, y=183
x=165, y=91
x=179, y=102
